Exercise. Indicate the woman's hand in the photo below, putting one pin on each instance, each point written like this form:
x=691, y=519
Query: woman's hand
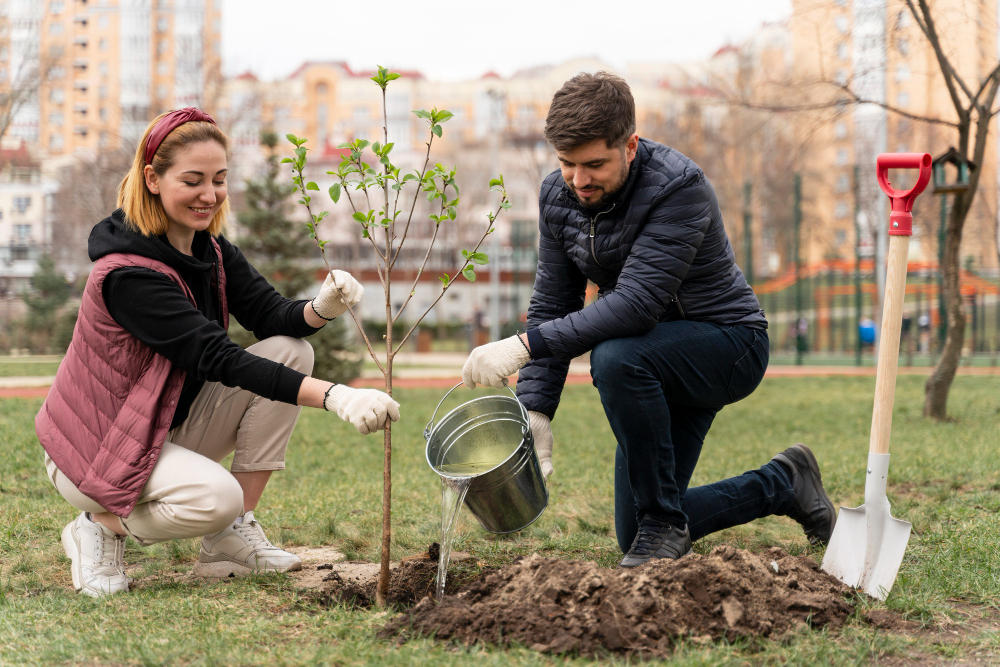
x=339, y=290
x=365, y=409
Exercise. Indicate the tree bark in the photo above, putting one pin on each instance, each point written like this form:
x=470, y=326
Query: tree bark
x=939, y=383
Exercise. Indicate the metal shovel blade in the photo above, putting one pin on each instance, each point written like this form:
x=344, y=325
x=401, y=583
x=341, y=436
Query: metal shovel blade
x=867, y=545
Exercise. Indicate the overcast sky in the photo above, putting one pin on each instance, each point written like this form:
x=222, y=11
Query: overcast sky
x=462, y=39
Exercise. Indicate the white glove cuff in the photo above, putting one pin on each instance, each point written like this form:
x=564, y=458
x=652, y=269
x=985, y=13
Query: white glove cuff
x=335, y=397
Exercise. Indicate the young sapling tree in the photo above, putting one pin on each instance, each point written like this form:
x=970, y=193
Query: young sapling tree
x=381, y=193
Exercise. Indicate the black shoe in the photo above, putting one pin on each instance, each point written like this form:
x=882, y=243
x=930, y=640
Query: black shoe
x=657, y=539
x=813, y=509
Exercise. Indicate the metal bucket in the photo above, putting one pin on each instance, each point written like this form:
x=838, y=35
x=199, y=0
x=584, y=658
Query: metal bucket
x=491, y=432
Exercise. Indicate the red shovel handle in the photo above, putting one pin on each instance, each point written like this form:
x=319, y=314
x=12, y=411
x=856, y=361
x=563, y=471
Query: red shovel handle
x=901, y=220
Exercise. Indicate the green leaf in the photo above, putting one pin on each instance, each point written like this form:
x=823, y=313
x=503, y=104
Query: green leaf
x=287, y=160
x=344, y=145
x=321, y=215
x=480, y=258
x=495, y=182
x=360, y=217
x=377, y=148
x=295, y=140
x=384, y=160
x=364, y=143
x=300, y=152
x=311, y=227
x=335, y=192
x=322, y=244
x=387, y=148
x=452, y=213
x=311, y=185
x=466, y=254
x=384, y=222
x=470, y=273
x=444, y=279
x=392, y=76
x=444, y=115
x=364, y=232
x=505, y=205
x=420, y=113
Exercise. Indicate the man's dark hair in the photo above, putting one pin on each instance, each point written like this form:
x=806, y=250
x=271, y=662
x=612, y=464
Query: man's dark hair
x=589, y=107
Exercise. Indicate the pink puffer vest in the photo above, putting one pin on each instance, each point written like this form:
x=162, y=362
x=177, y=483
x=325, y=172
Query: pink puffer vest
x=108, y=412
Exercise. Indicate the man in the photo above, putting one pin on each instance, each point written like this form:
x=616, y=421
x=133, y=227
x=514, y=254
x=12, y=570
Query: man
x=675, y=335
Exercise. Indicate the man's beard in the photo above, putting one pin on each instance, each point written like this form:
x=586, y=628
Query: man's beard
x=601, y=202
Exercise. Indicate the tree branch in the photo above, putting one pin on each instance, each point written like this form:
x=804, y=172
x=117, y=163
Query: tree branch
x=413, y=206
x=926, y=23
x=424, y=263
x=420, y=319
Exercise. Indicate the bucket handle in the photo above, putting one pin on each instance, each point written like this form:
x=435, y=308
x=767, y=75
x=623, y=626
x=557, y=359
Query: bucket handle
x=430, y=424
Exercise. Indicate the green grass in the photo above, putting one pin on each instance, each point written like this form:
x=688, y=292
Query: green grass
x=945, y=478
x=29, y=366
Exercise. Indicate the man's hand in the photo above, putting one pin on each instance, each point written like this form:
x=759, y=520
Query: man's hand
x=492, y=363
x=541, y=431
x=365, y=409
x=339, y=289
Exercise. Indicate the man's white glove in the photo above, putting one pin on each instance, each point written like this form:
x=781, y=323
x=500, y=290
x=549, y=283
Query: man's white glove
x=541, y=431
x=339, y=289
x=365, y=409
x=493, y=363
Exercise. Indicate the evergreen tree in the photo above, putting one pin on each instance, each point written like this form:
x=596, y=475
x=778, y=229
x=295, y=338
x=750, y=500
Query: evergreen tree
x=280, y=249
x=46, y=329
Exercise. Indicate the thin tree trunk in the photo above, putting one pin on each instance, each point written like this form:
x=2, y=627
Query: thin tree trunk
x=939, y=383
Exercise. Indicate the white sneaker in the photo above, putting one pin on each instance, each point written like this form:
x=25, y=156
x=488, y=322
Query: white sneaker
x=242, y=548
x=98, y=557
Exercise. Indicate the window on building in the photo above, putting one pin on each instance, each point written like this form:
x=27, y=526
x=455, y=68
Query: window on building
x=903, y=18
x=102, y=44
x=842, y=50
x=55, y=29
x=842, y=157
x=102, y=141
x=902, y=73
x=57, y=72
x=840, y=237
x=162, y=92
x=103, y=68
x=56, y=142
x=902, y=99
x=81, y=131
x=162, y=24
x=102, y=91
x=840, y=130
x=162, y=68
x=21, y=204
x=841, y=210
x=22, y=232
x=842, y=24
x=840, y=77
x=903, y=46
x=103, y=113
x=843, y=183
x=103, y=21
x=162, y=47
x=55, y=119
x=56, y=7
x=57, y=95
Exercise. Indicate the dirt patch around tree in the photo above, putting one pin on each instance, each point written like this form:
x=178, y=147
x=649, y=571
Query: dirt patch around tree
x=561, y=606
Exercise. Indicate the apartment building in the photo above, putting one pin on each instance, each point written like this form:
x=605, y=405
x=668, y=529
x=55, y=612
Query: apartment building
x=876, y=49
x=108, y=66
x=26, y=192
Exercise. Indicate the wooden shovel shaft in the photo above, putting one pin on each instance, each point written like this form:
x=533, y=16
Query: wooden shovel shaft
x=888, y=352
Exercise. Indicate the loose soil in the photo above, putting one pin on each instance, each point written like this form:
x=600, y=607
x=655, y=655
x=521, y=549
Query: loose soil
x=561, y=606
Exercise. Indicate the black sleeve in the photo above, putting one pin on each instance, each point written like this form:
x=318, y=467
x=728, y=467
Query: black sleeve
x=255, y=304
x=153, y=308
x=560, y=289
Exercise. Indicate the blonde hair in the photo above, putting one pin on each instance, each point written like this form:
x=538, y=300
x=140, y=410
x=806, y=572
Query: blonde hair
x=143, y=210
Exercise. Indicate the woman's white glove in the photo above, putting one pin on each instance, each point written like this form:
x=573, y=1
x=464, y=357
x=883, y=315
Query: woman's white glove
x=338, y=290
x=541, y=431
x=493, y=363
x=365, y=409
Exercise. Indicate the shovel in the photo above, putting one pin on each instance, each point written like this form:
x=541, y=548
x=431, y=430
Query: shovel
x=867, y=545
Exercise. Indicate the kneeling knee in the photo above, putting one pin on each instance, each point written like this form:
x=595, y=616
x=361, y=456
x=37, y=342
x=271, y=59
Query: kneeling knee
x=610, y=358
x=222, y=504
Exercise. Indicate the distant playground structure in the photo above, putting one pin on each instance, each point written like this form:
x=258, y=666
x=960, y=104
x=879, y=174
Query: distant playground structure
x=827, y=314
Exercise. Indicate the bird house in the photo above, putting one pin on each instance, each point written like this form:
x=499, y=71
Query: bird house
x=962, y=168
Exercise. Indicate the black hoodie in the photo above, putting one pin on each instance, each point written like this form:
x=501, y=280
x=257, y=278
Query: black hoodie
x=153, y=308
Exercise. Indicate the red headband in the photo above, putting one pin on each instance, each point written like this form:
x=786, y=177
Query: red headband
x=169, y=123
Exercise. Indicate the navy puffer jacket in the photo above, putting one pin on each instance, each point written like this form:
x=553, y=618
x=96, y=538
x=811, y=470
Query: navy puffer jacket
x=657, y=253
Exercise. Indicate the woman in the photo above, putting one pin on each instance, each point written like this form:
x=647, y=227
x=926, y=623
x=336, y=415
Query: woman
x=152, y=393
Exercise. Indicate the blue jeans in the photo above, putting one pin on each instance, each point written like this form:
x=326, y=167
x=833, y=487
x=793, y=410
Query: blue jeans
x=660, y=392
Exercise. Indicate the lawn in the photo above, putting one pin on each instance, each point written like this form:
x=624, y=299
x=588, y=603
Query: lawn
x=944, y=478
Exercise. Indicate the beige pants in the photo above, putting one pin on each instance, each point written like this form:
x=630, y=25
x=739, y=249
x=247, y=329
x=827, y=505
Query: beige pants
x=188, y=493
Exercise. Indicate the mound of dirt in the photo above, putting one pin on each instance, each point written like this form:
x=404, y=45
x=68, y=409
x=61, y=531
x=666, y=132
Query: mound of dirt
x=558, y=606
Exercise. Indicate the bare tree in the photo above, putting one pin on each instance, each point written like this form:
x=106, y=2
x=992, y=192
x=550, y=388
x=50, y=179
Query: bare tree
x=25, y=77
